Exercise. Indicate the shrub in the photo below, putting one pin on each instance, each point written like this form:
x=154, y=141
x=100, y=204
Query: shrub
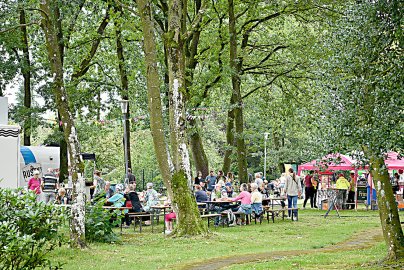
x=28, y=230
x=100, y=223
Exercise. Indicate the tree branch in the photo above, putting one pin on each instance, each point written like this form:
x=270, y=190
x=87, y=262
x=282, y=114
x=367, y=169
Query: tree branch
x=270, y=82
x=86, y=61
x=18, y=26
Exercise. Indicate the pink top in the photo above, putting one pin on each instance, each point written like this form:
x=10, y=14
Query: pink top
x=244, y=197
x=35, y=185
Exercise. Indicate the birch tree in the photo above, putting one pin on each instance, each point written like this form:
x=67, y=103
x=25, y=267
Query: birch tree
x=175, y=167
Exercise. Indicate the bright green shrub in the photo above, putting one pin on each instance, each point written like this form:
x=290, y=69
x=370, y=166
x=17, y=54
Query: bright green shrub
x=28, y=230
x=100, y=223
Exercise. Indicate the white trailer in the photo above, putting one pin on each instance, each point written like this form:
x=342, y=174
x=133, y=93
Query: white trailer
x=9, y=156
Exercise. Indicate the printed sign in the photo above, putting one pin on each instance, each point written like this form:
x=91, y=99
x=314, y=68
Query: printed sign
x=362, y=193
x=28, y=171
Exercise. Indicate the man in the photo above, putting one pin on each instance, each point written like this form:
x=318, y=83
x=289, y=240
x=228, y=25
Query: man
x=211, y=180
x=351, y=194
x=108, y=190
x=258, y=180
x=200, y=195
x=131, y=177
x=343, y=186
x=49, y=186
x=308, y=190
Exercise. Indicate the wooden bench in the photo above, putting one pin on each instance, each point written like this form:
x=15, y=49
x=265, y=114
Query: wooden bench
x=139, y=216
x=210, y=216
x=274, y=212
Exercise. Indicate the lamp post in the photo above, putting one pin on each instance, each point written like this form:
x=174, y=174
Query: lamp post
x=124, y=108
x=265, y=155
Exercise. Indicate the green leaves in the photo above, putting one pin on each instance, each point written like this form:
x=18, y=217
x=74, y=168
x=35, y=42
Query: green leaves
x=28, y=230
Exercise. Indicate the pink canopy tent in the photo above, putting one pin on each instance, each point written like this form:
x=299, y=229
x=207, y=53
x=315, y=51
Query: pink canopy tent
x=334, y=162
x=393, y=162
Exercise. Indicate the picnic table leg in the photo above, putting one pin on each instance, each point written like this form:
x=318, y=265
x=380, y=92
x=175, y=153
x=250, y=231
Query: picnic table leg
x=208, y=222
x=164, y=215
x=152, y=218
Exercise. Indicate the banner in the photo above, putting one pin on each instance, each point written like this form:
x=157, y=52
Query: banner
x=28, y=171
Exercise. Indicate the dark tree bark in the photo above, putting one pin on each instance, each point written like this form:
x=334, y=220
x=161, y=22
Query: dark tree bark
x=26, y=73
x=64, y=161
x=229, y=138
x=176, y=174
x=198, y=152
x=124, y=79
x=236, y=64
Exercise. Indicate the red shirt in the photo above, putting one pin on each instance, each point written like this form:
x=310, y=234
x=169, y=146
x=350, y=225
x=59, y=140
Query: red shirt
x=307, y=181
x=35, y=185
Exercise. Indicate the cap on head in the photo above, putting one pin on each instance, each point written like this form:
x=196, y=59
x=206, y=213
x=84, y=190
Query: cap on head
x=36, y=172
x=149, y=185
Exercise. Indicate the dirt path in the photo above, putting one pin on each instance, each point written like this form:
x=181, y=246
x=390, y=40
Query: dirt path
x=357, y=241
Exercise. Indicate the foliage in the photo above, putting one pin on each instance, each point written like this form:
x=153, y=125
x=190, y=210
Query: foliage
x=28, y=230
x=100, y=223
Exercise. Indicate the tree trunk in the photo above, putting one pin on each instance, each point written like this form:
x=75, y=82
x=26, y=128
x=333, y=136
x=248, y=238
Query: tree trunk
x=198, y=152
x=124, y=80
x=176, y=176
x=63, y=160
x=26, y=73
x=236, y=64
x=388, y=211
x=229, y=138
x=49, y=11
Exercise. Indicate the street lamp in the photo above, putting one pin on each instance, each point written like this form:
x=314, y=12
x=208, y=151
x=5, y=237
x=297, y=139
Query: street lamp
x=124, y=109
x=265, y=155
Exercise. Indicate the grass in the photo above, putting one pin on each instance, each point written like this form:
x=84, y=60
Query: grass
x=155, y=251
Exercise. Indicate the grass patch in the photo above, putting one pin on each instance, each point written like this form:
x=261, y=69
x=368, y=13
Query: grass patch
x=155, y=251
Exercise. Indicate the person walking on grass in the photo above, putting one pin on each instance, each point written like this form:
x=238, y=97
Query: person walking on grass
x=293, y=190
x=308, y=190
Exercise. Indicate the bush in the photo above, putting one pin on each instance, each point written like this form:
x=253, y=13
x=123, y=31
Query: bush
x=28, y=230
x=100, y=223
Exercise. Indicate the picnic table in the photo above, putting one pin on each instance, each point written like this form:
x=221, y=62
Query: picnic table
x=161, y=207
x=272, y=200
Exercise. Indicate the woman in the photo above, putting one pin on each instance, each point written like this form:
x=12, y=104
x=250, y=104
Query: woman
x=293, y=190
x=151, y=197
x=198, y=178
x=131, y=195
x=34, y=184
x=245, y=198
x=256, y=200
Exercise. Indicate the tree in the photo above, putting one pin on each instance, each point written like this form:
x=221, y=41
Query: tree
x=175, y=168
x=365, y=53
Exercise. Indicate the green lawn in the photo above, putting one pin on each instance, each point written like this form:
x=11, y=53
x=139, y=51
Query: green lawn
x=155, y=251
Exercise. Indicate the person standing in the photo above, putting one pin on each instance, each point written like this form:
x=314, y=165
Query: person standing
x=98, y=185
x=34, y=184
x=198, y=179
x=49, y=186
x=308, y=190
x=258, y=180
x=293, y=190
x=314, y=182
x=343, y=186
x=351, y=194
x=211, y=180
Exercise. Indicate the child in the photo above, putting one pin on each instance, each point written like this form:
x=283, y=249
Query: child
x=62, y=198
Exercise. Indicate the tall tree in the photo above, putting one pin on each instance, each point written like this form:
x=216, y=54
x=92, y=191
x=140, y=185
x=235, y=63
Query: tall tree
x=123, y=75
x=50, y=20
x=365, y=92
x=176, y=168
x=236, y=98
x=26, y=73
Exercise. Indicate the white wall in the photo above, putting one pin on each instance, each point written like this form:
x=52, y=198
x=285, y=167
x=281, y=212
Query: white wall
x=3, y=111
x=9, y=156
